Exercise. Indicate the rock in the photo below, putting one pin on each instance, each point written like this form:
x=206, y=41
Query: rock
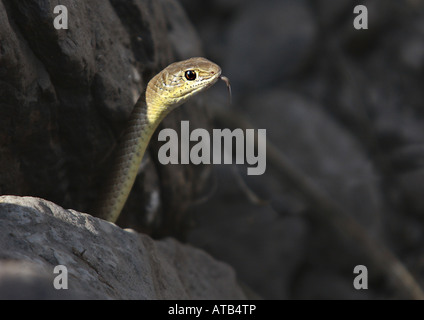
x=324, y=285
x=329, y=12
x=264, y=247
x=411, y=184
x=23, y=280
x=103, y=260
x=268, y=42
x=411, y=50
x=181, y=32
x=322, y=149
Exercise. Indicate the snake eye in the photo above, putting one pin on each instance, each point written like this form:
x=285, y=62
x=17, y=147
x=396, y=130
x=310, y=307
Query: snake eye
x=190, y=75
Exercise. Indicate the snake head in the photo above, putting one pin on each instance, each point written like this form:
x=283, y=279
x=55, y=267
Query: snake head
x=180, y=81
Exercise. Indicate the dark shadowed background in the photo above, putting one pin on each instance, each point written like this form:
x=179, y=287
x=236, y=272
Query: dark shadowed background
x=346, y=106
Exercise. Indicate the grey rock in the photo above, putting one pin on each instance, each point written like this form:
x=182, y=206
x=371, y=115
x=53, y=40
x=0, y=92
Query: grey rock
x=330, y=11
x=103, y=260
x=181, y=32
x=265, y=248
x=411, y=48
x=23, y=280
x=323, y=150
x=411, y=184
x=322, y=284
x=268, y=42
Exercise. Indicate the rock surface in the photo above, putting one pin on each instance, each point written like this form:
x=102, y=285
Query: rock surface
x=269, y=39
x=103, y=260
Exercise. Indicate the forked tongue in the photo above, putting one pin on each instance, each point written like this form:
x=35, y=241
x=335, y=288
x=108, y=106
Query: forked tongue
x=227, y=82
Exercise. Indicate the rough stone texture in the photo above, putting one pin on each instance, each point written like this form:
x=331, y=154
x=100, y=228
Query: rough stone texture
x=66, y=94
x=103, y=260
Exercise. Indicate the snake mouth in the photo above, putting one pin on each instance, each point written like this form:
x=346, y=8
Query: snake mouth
x=212, y=77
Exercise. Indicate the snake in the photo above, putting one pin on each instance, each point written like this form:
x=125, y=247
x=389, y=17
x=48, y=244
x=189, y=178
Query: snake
x=167, y=90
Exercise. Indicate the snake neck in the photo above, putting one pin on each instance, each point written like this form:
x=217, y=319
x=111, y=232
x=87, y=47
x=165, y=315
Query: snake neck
x=144, y=119
x=129, y=153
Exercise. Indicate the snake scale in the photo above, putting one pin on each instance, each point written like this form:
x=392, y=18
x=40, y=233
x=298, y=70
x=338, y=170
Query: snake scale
x=167, y=90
